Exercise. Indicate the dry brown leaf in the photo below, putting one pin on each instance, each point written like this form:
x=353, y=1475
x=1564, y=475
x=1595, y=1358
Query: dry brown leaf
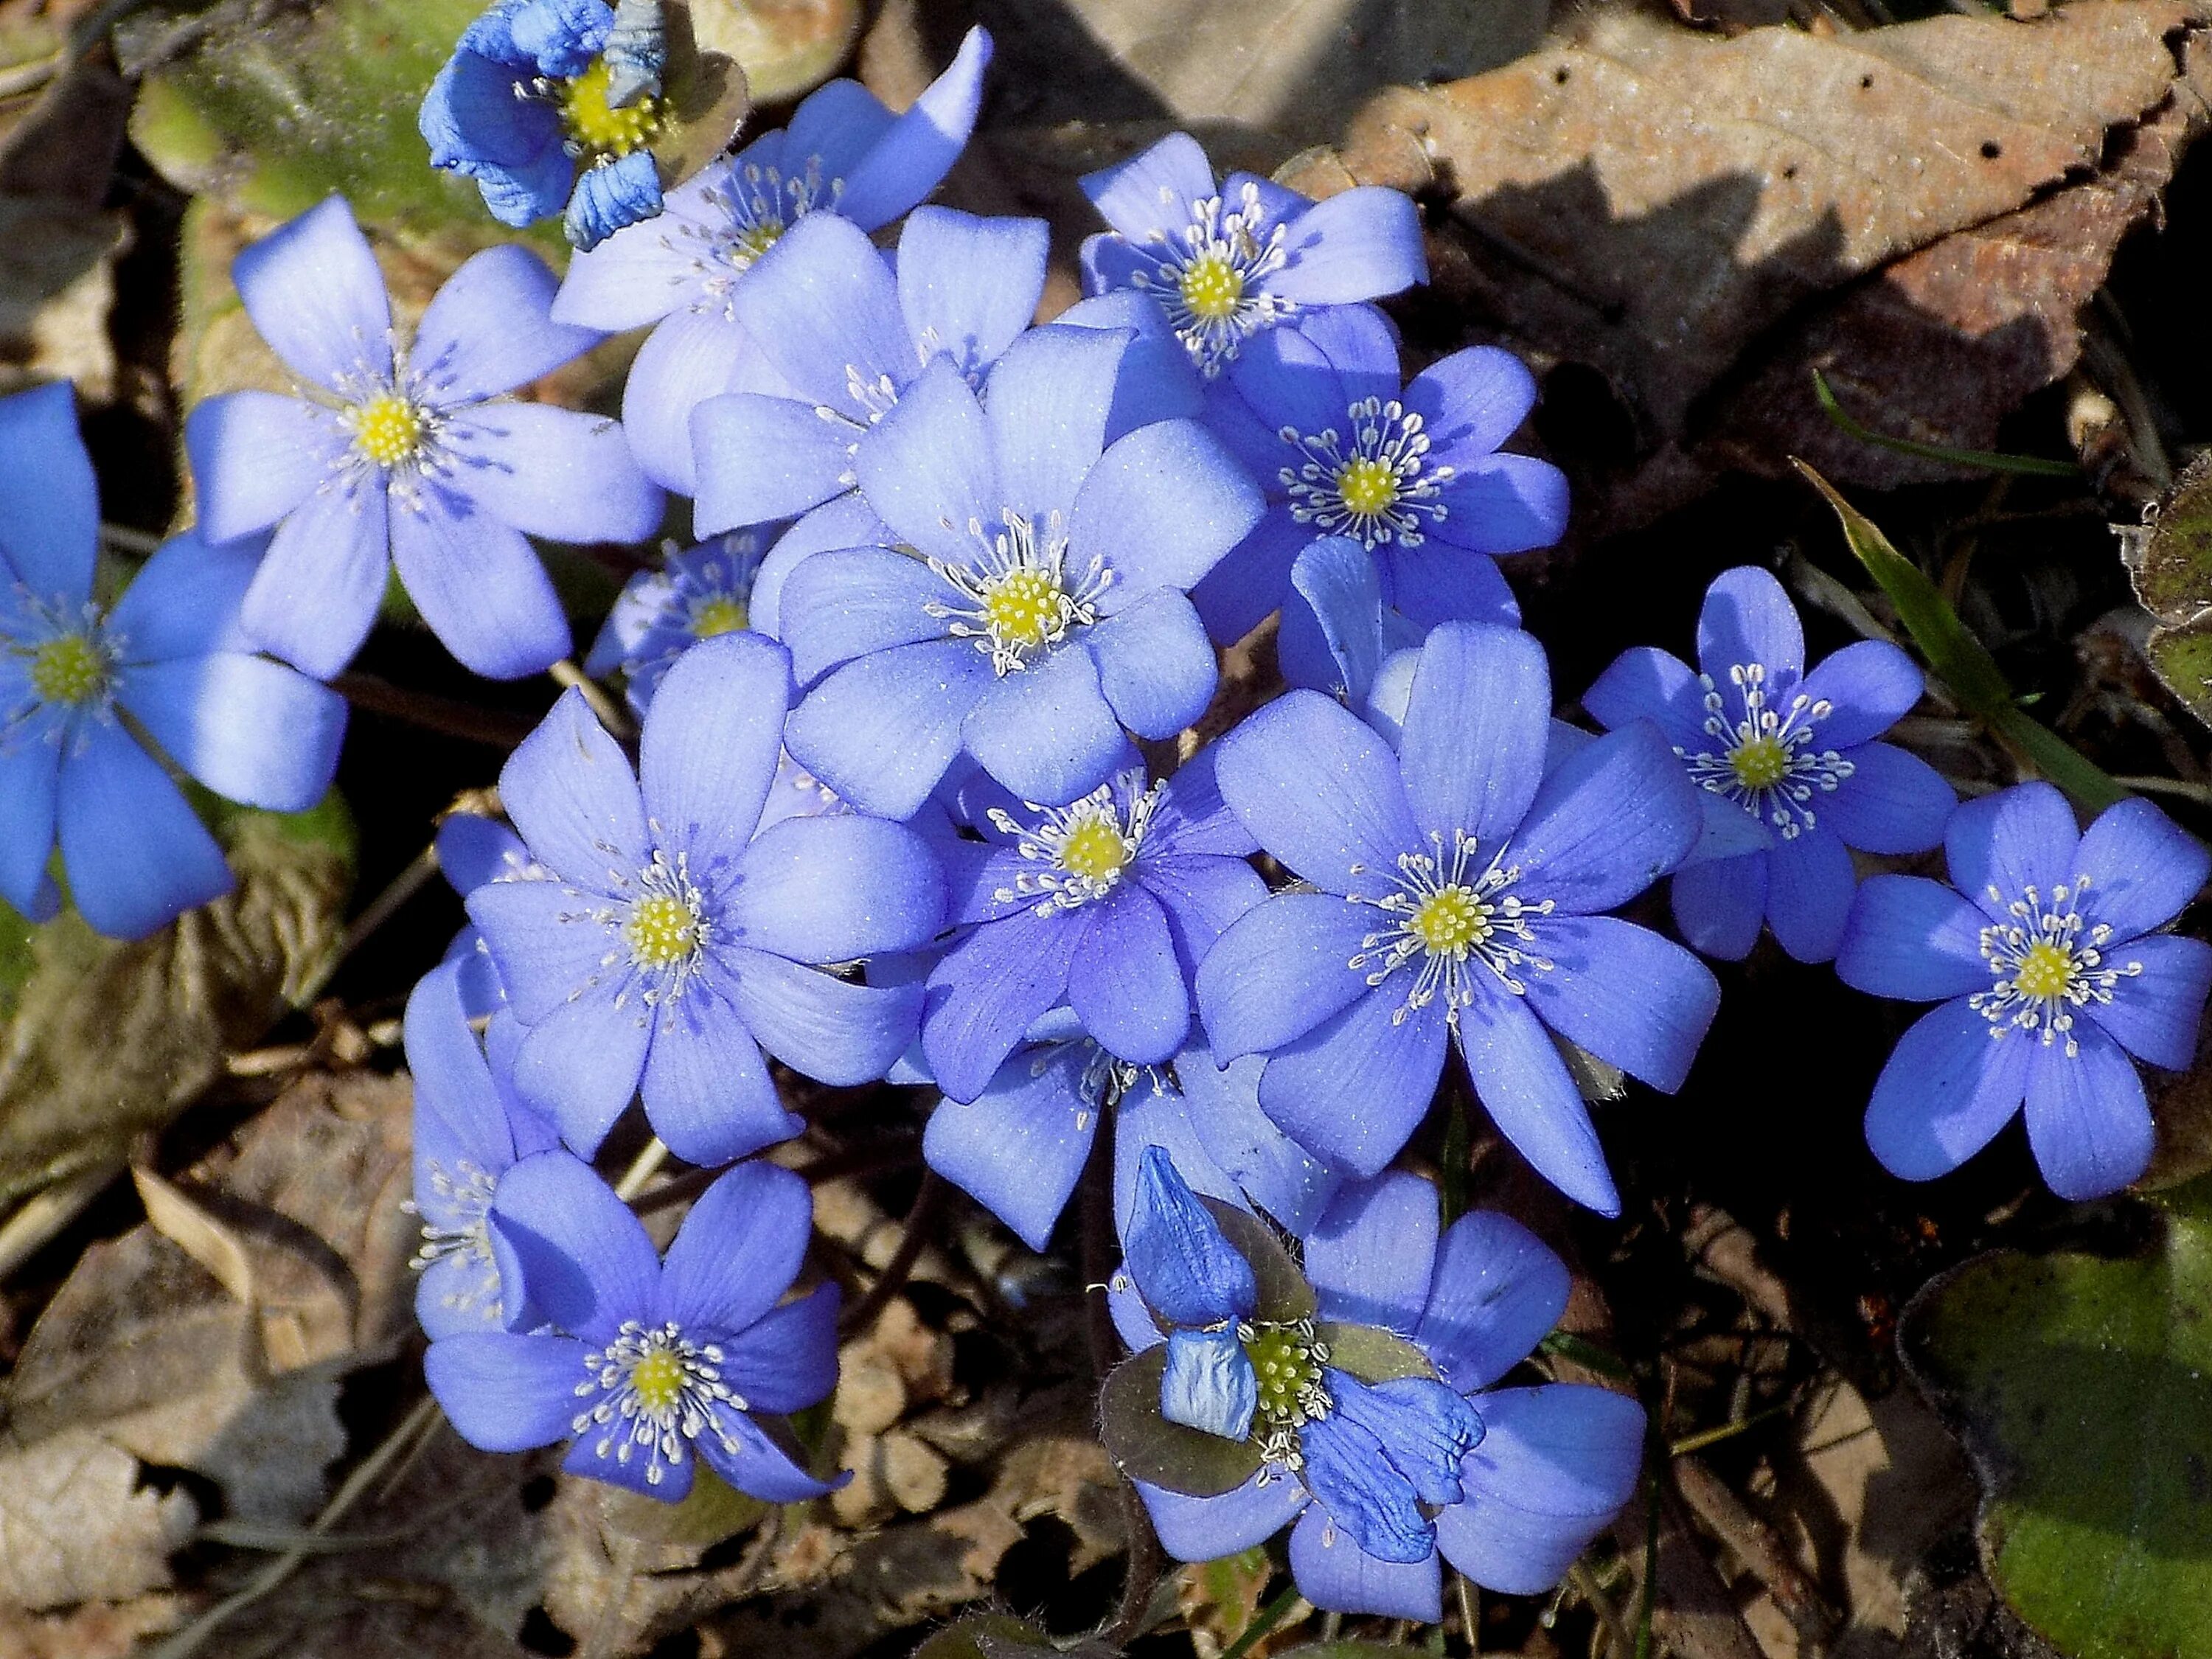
x=75, y=1525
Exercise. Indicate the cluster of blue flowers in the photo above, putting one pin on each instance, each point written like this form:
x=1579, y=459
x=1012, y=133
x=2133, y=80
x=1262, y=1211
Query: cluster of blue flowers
x=907, y=801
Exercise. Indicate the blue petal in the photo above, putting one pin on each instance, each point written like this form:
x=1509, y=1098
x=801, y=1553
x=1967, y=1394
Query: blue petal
x=1558, y=1463
x=1893, y=802
x=988, y=988
x=1948, y=1087
x=1160, y=508
x=610, y=196
x=1371, y=1504
x=185, y=601
x=1208, y=1529
x=843, y=604
x=969, y=286
x=1047, y=733
x=881, y=730
x=2154, y=1014
x=580, y=1066
x=570, y=793
x=597, y=1454
x=1646, y=683
x=2138, y=868
x=1436, y=582
x=1632, y=998
x=1870, y=686
x=706, y=1088
x=256, y=456
x=929, y=468
x=1222, y=1110
x=1336, y=1574
x=831, y=1029
x=1252, y=577
x=786, y=1360
x=1726, y=830
x=1608, y=823
x=843, y=521
x=562, y=36
x=1281, y=971
x=737, y=1253
x=506, y=1392
x=1472, y=401
x=2018, y=838
x=251, y=730
x=708, y=751
x=1719, y=904
x=1046, y=401
x=1370, y=1256
x=137, y=855
x=488, y=330
x=1353, y=1089
x=905, y=164
x=650, y=271
x=1288, y=382
x=558, y=474
x=758, y=458
x=1209, y=1384
x=49, y=503
x=1360, y=342
x=1496, y=1293
x=1322, y=791
x=759, y=1466
x=458, y=1111
x=479, y=586
x=1156, y=666
x=1331, y=639
x=1126, y=984
x=313, y=290
x=1472, y=747
x=1360, y=245
x=834, y=126
x=825, y=309
x=689, y=358
x=1183, y=1264
x=1913, y=938
x=2087, y=1118
x=1152, y=190
x=1424, y=1426
x=1524, y=1085
x=548, y=941
x=1504, y=504
x=569, y=1249
x=457, y=1295
x=1158, y=1119
x=1748, y=619
x=1018, y=1147
x=836, y=888
x=314, y=599
x=1809, y=883
x=1204, y=897
x=30, y=782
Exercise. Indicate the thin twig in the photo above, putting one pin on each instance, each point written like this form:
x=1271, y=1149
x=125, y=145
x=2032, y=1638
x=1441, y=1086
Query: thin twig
x=921, y=1222
x=643, y=1169
x=447, y=716
x=402, y=887
x=611, y=714
x=47, y=1211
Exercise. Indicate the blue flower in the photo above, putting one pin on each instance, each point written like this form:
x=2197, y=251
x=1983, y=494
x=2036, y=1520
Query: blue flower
x=1108, y=905
x=79, y=681
x=473, y=849
x=393, y=457
x=843, y=153
x=674, y=944
x=697, y=594
x=1460, y=887
x=1788, y=766
x=2048, y=978
x=538, y=87
x=1338, y=636
x=1549, y=1466
x=1415, y=475
x=1036, y=603
x=470, y=1130
x=1230, y=261
x=649, y=1366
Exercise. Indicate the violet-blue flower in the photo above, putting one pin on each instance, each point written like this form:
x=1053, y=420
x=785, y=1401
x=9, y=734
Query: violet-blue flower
x=537, y=89
x=168, y=655
x=2050, y=975
x=1338, y=635
x=1226, y=262
x=1461, y=892
x=1790, y=773
x=1548, y=1467
x=1415, y=475
x=843, y=153
x=649, y=1366
x=674, y=944
x=392, y=455
x=697, y=594
x=1035, y=603
x=471, y=850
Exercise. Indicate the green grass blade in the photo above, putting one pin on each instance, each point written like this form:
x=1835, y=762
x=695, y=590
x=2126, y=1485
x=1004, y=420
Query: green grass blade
x=1987, y=460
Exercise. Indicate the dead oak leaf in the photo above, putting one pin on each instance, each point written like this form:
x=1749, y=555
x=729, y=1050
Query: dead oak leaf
x=75, y=1525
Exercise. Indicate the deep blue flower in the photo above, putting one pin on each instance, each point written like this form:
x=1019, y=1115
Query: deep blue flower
x=1225, y=263
x=1460, y=887
x=2050, y=976
x=1035, y=603
x=1790, y=773
x=1415, y=475
x=537, y=88
x=170, y=656
x=1338, y=635
x=674, y=944
x=697, y=594
x=1108, y=905
x=470, y=1130
x=1550, y=1465
x=843, y=153
x=391, y=456
x=646, y=1364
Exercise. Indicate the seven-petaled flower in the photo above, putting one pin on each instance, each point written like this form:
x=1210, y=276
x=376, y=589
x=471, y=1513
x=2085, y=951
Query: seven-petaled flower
x=1035, y=603
x=1460, y=884
x=80, y=682
x=698, y=593
x=1225, y=263
x=674, y=944
x=2050, y=977
x=398, y=456
x=843, y=153
x=649, y=1366
x=1787, y=764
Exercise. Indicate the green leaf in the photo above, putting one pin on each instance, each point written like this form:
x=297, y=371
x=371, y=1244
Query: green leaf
x=1284, y=1297
x=2082, y=1386
x=710, y=1512
x=1148, y=1447
x=1372, y=1355
x=1989, y=460
x=2172, y=572
x=1961, y=661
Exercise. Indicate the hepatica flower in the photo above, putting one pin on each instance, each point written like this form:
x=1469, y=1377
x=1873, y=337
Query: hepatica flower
x=551, y=107
x=1338, y=636
x=1225, y=263
x=648, y=1367
x=1353, y=1396
x=1787, y=764
x=1413, y=474
x=170, y=656
x=400, y=455
x=1459, y=901
x=699, y=594
x=2048, y=976
x=1035, y=604
x=673, y=944
x=843, y=153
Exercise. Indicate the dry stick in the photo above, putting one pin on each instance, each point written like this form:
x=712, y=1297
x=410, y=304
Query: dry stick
x=611, y=714
x=921, y=1222
x=448, y=716
x=402, y=887
x=1755, y=1544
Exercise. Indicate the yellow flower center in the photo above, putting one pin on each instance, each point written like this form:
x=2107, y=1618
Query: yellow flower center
x=1212, y=289
x=722, y=615
x=1762, y=763
x=68, y=669
x=657, y=1380
x=661, y=931
x=1285, y=1367
x=1450, y=919
x=1094, y=848
x=1367, y=487
x=596, y=125
x=387, y=429
x=2046, y=972
x=1025, y=607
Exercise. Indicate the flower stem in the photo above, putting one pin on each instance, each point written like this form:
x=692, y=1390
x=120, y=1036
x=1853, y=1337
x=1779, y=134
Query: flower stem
x=921, y=1222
